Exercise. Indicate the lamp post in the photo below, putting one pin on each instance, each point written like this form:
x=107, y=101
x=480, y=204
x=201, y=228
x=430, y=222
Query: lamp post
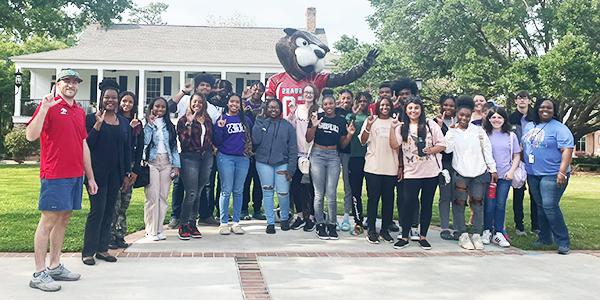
x=419, y=83
x=18, y=79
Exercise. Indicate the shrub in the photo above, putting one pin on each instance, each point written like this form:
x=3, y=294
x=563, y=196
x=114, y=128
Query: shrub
x=18, y=146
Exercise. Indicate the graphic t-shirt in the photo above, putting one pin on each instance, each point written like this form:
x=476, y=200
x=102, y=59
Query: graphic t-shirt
x=289, y=91
x=330, y=130
x=542, y=143
x=416, y=166
x=231, y=138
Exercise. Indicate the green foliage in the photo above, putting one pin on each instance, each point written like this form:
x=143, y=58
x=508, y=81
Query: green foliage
x=496, y=48
x=149, y=14
x=18, y=146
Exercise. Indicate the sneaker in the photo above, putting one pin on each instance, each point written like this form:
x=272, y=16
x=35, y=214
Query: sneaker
x=500, y=240
x=309, y=225
x=345, y=225
x=414, y=234
x=521, y=232
x=257, y=215
x=88, y=260
x=446, y=235
x=44, y=282
x=270, y=229
x=113, y=245
x=162, y=236
x=401, y=243
x=61, y=273
x=152, y=237
x=332, y=232
x=365, y=224
x=224, y=229
x=337, y=226
x=539, y=244
x=245, y=215
x=237, y=229
x=285, y=225
x=121, y=243
x=298, y=223
x=105, y=256
x=563, y=250
x=385, y=235
x=465, y=242
x=210, y=221
x=373, y=237
x=486, y=237
x=393, y=227
x=322, y=232
x=183, y=232
x=425, y=245
x=194, y=232
x=477, y=242
x=174, y=223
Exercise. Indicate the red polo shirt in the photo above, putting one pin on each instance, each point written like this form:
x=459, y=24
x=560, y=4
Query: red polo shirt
x=61, y=141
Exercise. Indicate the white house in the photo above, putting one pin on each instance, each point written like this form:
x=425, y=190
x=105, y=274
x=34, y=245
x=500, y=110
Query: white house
x=157, y=60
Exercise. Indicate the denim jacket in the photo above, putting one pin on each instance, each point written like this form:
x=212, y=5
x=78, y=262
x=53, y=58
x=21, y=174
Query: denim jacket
x=151, y=133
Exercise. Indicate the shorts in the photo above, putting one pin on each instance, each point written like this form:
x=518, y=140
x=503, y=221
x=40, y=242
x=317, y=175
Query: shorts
x=61, y=194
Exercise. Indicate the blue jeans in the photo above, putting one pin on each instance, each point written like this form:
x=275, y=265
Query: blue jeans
x=232, y=173
x=547, y=194
x=495, y=208
x=325, y=168
x=272, y=181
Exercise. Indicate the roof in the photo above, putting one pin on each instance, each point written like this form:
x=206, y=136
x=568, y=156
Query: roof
x=172, y=44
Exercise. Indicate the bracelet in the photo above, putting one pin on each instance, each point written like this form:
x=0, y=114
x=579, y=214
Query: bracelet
x=563, y=174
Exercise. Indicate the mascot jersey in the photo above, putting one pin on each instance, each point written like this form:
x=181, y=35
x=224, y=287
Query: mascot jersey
x=289, y=91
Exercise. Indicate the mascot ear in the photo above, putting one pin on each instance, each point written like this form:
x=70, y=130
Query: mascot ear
x=290, y=31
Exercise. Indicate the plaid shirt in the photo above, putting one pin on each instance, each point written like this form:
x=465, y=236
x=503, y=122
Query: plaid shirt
x=191, y=140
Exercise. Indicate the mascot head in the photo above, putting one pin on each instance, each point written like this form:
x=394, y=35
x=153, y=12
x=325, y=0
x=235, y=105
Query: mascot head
x=301, y=53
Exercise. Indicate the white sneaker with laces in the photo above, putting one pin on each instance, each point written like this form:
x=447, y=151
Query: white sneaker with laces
x=151, y=237
x=237, y=229
x=486, y=237
x=465, y=242
x=477, y=242
x=414, y=234
x=161, y=236
x=224, y=229
x=500, y=240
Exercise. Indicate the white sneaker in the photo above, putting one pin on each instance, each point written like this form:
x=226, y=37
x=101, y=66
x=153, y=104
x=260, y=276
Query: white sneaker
x=237, y=229
x=224, y=229
x=161, y=236
x=465, y=242
x=486, y=237
x=500, y=240
x=414, y=234
x=152, y=237
x=477, y=242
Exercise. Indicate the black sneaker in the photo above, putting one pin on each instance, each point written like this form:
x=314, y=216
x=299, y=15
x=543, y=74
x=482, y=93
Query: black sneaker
x=285, y=225
x=309, y=225
x=270, y=229
x=121, y=243
x=322, y=232
x=298, y=223
x=425, y=245
x=446, y=235
x=393, y=227
x=372, y=237
x=401, y=243
x=113, y=245
x=385, y=235
x=332, y=232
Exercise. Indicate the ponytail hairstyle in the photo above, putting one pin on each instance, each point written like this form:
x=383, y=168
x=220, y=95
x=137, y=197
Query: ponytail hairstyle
x=421, y=130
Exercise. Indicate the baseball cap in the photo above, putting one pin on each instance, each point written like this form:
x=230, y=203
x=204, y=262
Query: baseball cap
x=66, y=73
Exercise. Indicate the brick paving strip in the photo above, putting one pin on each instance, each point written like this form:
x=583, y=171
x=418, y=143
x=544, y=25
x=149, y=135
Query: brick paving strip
x=251, y=279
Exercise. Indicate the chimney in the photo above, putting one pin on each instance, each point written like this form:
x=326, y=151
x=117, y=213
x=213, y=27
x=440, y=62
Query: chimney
x=311, y=19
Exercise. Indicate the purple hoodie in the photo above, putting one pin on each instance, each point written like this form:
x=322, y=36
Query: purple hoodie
x=231, y=139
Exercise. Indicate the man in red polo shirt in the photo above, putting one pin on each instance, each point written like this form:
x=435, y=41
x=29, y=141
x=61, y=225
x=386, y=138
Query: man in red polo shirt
x=59, y=122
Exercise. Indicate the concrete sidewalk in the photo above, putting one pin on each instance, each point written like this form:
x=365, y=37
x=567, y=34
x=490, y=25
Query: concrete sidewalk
x=297, y=265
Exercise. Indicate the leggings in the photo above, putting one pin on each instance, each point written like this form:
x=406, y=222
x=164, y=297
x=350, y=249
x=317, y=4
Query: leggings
x=412, y=187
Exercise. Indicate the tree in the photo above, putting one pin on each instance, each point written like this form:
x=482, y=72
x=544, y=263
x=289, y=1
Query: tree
x=150, y=14
x=499, y=47
x=56, y=18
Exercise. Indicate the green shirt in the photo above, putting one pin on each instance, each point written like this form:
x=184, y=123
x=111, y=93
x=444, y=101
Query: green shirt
x=356, y=149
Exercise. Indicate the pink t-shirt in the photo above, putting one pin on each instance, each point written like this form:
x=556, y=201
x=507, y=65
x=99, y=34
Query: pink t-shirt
x=416, y=166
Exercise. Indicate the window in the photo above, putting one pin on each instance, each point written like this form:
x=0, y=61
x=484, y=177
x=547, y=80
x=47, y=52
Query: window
x=239, y=85
x=580, y=146
x=93, y=88
x=167, y=85
x=152, y=88
x=123, y=83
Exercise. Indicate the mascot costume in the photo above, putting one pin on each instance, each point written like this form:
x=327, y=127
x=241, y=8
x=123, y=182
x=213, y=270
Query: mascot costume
x=302, y=55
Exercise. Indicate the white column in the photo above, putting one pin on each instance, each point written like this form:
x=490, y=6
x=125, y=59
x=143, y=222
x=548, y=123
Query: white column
x=17, y=101
x=262, y=77
x=181, y=80
x=223, y=75
x=142, y=94
x=100, y=78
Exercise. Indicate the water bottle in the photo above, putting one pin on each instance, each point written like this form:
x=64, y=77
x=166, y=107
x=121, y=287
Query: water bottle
x=491, y=193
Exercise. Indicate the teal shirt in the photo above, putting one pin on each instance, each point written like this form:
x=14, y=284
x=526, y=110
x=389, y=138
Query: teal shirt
x=356, y=149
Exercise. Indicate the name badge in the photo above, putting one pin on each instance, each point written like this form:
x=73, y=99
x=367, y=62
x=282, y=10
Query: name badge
x=531, y=158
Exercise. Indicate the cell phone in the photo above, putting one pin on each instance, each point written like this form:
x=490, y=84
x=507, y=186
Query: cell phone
x=421, y=146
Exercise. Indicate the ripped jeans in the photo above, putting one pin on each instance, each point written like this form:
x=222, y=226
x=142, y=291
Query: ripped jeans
x=271, y=182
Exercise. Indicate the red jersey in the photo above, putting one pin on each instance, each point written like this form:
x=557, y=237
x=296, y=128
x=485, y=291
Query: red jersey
x=61, y=141
x=289, y=91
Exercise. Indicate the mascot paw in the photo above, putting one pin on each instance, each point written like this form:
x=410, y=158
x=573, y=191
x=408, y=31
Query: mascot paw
x=371, y=56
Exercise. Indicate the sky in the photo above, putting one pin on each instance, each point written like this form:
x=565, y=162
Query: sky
x=338, y=17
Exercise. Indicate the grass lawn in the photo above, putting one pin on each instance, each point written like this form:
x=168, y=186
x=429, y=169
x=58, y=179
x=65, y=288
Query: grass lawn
x=19, y=190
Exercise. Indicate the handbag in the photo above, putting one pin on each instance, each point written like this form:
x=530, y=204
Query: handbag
x=143, y=178
x=520, y=174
